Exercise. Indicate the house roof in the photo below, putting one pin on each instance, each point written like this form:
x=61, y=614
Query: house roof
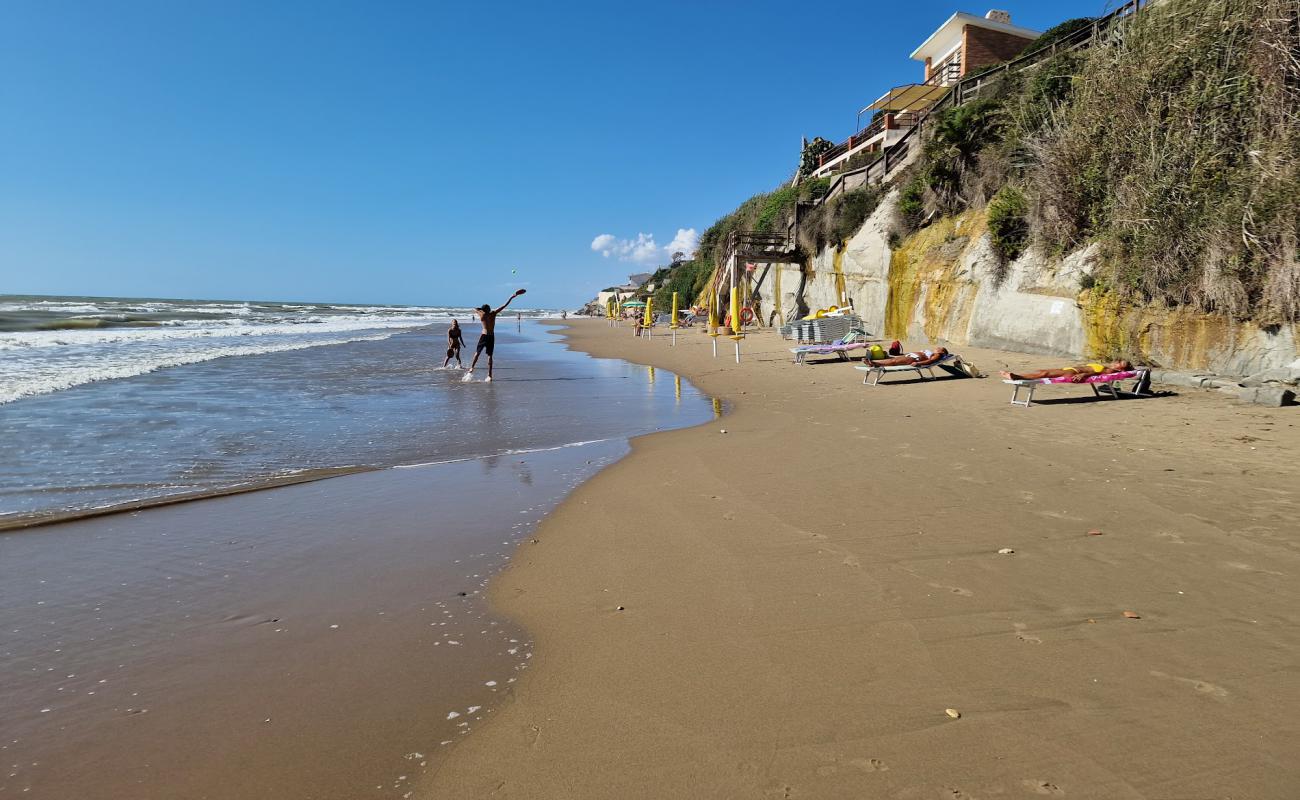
x=933, y=47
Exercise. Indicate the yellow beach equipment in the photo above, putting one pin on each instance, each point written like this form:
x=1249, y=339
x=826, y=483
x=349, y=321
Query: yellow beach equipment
x=736, y=324
x=713, y=320
x=673, y=324
x=647, y=324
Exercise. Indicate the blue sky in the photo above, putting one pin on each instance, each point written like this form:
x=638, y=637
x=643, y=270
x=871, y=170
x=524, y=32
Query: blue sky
x=404, y=152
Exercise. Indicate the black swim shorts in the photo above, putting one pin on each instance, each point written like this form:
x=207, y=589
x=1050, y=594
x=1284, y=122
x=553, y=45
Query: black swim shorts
x=485, y=342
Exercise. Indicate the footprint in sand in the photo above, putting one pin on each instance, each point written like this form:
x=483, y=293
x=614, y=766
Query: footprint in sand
x=1172, y=537
x=851, y=561
x=869, y=764
x=1043, y=787
x=953, y=589
x=949, y=793
x=1201, y=686
x=1025, y=637
x=729, y=515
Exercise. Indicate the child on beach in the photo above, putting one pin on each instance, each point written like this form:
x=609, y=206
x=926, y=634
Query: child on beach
x=487, y=340
x=455, y=341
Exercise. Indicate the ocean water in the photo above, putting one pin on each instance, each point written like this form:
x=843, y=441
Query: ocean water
x=235, y=646
x=105, y=403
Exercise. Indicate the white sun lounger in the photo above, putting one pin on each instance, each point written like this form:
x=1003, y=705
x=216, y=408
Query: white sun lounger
x=1113, y=384
x=842, y=350
x=874, y=374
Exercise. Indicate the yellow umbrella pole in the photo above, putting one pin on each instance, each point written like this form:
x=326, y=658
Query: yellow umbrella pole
x=647, y=324
x=673, y=326
x=736, y=335
x=713, y=320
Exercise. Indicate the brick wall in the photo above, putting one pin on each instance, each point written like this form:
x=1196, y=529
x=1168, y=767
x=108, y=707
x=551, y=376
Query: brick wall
x=981, y=46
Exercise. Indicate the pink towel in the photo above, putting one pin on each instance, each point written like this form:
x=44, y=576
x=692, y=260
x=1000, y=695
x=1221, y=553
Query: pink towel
x=1107, y=378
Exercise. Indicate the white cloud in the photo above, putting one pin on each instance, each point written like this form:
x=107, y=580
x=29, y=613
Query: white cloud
x=687, y=241
x=643, y=249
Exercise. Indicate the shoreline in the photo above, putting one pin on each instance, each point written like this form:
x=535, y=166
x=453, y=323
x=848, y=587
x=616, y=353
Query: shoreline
x=278, y=630
x=824, y=582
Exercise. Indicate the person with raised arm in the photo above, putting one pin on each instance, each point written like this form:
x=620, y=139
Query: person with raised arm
x=487, y=339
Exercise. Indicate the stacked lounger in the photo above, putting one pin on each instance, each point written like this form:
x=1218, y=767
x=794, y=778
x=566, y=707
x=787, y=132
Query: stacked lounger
x=1114, y=383
x=821, y=331
x=875, y=373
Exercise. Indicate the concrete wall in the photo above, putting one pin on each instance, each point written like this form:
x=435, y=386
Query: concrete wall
x=945, y=285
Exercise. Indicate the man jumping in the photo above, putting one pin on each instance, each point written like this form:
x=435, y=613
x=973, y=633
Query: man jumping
x=487, y=339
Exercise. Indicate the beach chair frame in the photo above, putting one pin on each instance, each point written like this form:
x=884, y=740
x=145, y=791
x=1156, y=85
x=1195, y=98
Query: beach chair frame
x=874, y=374
x=1113, y=389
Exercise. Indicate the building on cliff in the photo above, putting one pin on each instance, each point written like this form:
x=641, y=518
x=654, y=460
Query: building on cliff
x=963, y=43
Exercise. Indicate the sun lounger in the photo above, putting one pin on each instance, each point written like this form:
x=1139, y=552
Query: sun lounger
x=842, y=350
x=1113, y=383
x=874, y=373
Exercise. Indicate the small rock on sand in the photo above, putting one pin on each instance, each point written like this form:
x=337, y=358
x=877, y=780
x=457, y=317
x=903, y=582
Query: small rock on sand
x=952, y=712
x=1006, y=551
x=1132, y=615
x=1094, y=532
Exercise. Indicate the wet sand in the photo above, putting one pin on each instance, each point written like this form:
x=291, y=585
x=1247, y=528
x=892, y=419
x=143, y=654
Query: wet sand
x=804, y=597
x=323, y=640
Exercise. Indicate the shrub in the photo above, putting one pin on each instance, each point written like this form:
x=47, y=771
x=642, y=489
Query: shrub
x=811, y=152
x=1179, y=150
x=1056, y=33
x=1008, y=222
x=837, y=220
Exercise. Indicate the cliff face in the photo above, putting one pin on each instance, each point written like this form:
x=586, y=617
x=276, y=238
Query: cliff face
x=946, y=284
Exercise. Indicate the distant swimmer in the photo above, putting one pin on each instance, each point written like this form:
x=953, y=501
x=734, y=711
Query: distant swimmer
x=487, y=339
x=455, y=341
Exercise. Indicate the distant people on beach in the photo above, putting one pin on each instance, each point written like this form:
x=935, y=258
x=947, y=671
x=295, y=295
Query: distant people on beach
x=455, y=341
x=487, y=339
x=1076, y=374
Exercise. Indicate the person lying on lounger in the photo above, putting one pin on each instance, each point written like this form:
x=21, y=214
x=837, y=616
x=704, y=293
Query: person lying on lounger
x=1076, y=374
x=921, y=358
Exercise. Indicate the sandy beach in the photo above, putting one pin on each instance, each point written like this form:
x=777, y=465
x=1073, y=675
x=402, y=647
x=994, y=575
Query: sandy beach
x=813, y=603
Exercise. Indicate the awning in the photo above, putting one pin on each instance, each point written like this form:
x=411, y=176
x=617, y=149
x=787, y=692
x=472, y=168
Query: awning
x=912, y=97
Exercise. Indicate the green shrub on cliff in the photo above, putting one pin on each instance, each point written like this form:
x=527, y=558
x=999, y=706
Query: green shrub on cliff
x=1008, y=222
x=835, y=221
x=1056, y=33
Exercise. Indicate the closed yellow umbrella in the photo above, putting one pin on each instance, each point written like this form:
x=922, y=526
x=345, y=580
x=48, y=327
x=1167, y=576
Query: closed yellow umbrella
x=673, y=322
x=649, y=302
x=713, y=320
x=736, y=335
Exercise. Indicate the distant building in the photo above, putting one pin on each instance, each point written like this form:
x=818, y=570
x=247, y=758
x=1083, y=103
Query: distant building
x=966, y=42
x=637, y=280
x=963, y=43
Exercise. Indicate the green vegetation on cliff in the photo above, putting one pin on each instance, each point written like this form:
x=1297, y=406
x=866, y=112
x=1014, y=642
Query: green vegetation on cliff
x=769, y=212
x=1175, y=145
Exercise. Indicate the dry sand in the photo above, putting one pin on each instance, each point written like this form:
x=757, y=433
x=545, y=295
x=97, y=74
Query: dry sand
x=806, y=595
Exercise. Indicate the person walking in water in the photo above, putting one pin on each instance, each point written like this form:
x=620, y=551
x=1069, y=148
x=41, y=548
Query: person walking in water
x=486, y=340
x=455, y=341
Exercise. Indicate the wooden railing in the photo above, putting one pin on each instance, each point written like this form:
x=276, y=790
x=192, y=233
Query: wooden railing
x=946, y=72
x=891, y=121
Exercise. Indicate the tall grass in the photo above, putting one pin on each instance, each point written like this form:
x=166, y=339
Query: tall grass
x=1178, y=150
